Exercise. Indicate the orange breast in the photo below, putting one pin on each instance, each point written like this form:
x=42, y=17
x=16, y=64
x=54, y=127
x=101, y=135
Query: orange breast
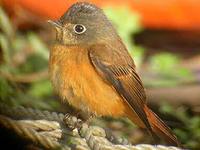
x=76, y=81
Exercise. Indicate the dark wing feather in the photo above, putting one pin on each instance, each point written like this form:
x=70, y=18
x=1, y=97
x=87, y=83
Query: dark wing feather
x=118, y=69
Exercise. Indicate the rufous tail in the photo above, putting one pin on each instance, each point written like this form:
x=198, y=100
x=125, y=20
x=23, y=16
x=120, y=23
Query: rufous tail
x=160, y=128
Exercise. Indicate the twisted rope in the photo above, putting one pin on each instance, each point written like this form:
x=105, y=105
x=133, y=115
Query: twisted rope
x=47, y=129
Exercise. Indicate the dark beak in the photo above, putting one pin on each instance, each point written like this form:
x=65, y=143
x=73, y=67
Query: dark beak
x=55, y=24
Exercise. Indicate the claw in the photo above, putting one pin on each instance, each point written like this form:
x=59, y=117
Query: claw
x=72, y=122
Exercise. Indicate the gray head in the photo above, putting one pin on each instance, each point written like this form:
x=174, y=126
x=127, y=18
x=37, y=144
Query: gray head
x=83, y=23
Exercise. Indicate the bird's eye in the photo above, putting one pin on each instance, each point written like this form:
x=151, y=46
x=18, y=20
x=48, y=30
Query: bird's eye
x=79, y=28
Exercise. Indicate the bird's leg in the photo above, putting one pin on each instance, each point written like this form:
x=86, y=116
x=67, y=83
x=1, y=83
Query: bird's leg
x=77, y=121
x=72, y=122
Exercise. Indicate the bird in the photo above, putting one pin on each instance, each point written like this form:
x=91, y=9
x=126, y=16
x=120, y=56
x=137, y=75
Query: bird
x=91, y=69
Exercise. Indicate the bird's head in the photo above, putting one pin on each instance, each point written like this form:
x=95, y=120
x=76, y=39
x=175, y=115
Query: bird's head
x=83, y=23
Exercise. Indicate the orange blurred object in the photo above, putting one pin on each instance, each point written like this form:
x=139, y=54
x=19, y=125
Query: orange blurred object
x=169, y=14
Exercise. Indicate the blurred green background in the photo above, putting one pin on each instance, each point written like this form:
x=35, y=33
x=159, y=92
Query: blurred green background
x=169, y=68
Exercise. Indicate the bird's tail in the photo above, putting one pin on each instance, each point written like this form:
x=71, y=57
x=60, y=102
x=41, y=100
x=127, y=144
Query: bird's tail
x=160, y=128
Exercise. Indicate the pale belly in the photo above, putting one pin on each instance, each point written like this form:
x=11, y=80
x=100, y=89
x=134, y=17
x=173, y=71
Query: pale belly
x=79, y=84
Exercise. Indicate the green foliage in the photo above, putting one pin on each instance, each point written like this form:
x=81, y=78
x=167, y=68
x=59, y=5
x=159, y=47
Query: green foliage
x=32, y=64
x=5, y=48
x=23, y=54
x=5, y=24
x=189, y=133
x=164, y=63
x=5, y=89
x=41, y=89
x=38, y=46
x=167, y=67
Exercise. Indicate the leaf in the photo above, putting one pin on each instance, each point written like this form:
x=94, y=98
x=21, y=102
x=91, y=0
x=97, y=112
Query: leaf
x=41, y=89
x=4, y=44
x=164, y=63
x=5, y=24
x=39, y=47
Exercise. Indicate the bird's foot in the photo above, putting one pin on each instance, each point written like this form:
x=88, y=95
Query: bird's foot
x=72, y=122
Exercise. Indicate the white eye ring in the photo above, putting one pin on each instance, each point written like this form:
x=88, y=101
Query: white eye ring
x=79, y=28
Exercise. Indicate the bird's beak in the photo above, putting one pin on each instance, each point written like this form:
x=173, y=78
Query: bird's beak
x=55, y=24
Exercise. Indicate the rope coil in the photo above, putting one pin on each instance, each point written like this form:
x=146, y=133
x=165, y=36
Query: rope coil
x=47, y=129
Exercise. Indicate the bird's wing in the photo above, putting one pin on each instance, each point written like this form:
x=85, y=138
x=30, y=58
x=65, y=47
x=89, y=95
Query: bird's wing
x=118, y=70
